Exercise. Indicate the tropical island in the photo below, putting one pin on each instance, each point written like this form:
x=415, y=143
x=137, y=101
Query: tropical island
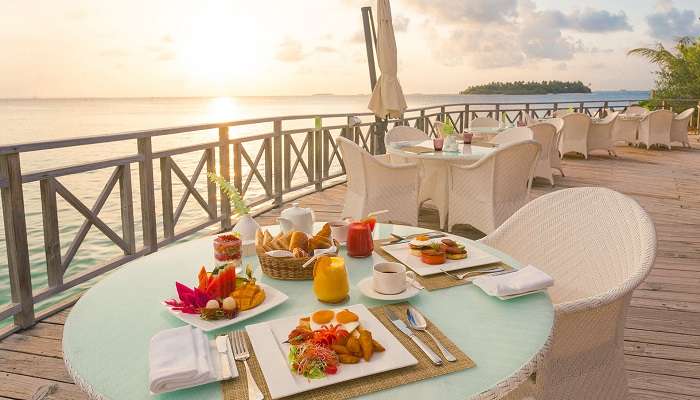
x=522, y=87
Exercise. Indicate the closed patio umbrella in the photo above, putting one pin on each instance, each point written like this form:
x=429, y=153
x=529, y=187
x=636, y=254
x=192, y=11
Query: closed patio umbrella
x=387, y=97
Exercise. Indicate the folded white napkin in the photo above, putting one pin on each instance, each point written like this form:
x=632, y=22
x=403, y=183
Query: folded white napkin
x=179, y=358
x=527, y=279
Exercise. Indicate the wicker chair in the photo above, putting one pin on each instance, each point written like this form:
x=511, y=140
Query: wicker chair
x=400, y=134
x=655, y=128
x=679, y=127
x=625, y=130
x=484, y=122
x=598, y=245
x=574, y=135
x=561, y=113
x=545, y=134
x=600, y=134
x=554, y=159
x=376, y=184
x=486, y=193
x=529, y=120
x=512, y=135
x=635, y=109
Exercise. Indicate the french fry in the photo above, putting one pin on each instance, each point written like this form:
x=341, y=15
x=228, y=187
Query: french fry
x=340, y=349
x=366, y=344
x=378, y=348
x=354, y=346
x=348, y=359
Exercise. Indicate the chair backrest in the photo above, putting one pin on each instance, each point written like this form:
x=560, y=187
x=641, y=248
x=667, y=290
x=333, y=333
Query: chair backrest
x=658, y=123
x=528, y=119
x=512, y=135
x=685, y=115
x=679, y=126
x=562, y=112
x=576, y=126
x=404, y=133
x=353, y=159
x=609, y=119
x=544, y=133
x=635, y=109
x=596, y=243
x=558, y=123
x=484, y=122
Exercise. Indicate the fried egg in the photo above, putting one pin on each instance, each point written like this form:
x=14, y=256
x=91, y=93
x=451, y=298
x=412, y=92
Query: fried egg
x=345, y=318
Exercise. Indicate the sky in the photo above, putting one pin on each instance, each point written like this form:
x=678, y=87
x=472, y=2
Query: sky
x=158, y=48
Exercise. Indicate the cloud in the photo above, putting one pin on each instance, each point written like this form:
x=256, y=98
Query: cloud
x=480, y=11
x=400, y=23
x=166, y=55
x=590, y=20
x=669, y=23
x=325, y=49
x=290, y=50
x=167, y=39
x=561, y=66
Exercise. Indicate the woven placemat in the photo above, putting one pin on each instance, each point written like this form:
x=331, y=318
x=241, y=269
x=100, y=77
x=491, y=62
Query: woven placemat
x=484, y=143
x=237, y=389
x=437, y=281
x=418, y=149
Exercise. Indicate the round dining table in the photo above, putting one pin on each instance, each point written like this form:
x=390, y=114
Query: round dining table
x=106, y=336
x=434, y=168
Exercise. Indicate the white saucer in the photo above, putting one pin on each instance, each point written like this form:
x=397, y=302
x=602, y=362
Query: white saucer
x=366, y=288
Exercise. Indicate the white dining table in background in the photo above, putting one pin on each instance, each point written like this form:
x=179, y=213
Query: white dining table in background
x=434, y=168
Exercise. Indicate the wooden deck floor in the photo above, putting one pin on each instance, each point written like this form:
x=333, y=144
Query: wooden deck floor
x=663, y=327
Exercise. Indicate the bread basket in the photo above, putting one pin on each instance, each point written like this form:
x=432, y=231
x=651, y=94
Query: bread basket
x=286, y=268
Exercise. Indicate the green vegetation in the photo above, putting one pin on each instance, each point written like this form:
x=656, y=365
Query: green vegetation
x=522, y=87
x=678, y=76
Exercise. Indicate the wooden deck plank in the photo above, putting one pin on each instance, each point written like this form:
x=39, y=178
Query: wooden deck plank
x=662, y=330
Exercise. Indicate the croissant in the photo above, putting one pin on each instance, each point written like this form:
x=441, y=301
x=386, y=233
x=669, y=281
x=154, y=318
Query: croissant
x=299, y=240
x=325, y=231
x=318, y=243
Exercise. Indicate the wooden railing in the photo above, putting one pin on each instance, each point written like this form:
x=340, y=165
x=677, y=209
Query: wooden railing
x=289, y=157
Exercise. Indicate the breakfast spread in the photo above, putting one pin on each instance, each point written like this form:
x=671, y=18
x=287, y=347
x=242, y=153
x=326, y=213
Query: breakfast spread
x=323, y=341
x=220, y=294
x=298, y=243
x=436, y=253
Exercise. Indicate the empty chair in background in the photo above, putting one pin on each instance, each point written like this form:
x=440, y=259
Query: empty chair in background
x=655, y=129
x=484, y=122
x=402, y=134
x=625, y=129
x=376, y=184
x=679, y=127
x=529, y=120
x=574, y=135
x=600, y=134
x=598, y=245
x=562, y=112
x=486, y=193
x=512, y=135
x=554, y=158
x=544, y=134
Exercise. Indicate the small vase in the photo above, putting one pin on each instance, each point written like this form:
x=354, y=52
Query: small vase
x=451, y=143
x=246, y=227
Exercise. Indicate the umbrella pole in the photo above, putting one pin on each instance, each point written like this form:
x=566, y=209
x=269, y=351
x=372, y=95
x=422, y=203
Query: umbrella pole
x=377, y=144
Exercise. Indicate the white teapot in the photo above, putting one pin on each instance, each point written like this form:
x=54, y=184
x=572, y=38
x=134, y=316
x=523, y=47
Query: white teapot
x=296, y=218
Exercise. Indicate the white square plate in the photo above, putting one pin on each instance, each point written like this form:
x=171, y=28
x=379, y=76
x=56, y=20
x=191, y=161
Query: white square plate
x=267, y=338
x=273, y=298
x=475, y=257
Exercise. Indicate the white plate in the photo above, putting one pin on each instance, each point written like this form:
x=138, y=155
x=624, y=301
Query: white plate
x=267, y=338
x=273, y=298
x=367, y=289
x=475, y=257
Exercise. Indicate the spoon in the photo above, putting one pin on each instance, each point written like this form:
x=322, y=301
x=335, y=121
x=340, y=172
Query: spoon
x=417, y=322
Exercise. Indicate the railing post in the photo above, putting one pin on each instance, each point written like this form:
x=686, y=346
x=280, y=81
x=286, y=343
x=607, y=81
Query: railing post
x=318, y=158
x=147, y=189
x=421, y=121
x=467, y=115
x=277, y=161
x=16, y=239
x=326, y=153
x=527, y=109
x=580, y=107
x=166, y=194
x=461, y=119
x=604, y=113
x=267, y=142
x=52, y=239
x=310, y=152
x=225, y=172
x=211, y=186
x=126, y=200
x=441, y=117
x=238, y=167
x=498, y=112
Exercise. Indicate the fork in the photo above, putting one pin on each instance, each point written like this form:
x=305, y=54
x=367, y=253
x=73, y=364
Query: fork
x=240, y=353
x=494, y=270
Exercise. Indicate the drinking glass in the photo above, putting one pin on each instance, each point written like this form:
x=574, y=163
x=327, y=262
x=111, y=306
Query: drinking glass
x=437, y=144
x=468, y=137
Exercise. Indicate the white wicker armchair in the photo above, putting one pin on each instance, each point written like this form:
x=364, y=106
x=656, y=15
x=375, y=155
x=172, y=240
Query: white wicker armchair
x=598, y=245
x=484, y=122
x=574, y=135
x=636, y=110
x=625, y=130
x=400, y=134
x=512, y=135
x=655, y=128
x=561, y=113
x=375, y=184
x=486, y=193
x=544, y=133
x=600, y=134
x=679, y=127
x=554, y=159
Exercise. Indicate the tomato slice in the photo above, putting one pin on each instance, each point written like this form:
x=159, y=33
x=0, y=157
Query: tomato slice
x=433, y=259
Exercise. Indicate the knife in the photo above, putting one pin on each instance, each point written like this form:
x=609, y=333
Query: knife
x=222, y=348
x=400, y=325
x=405, y=239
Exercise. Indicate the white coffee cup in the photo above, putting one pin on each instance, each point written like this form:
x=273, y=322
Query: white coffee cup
x=339, y=230
x=391, y=278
